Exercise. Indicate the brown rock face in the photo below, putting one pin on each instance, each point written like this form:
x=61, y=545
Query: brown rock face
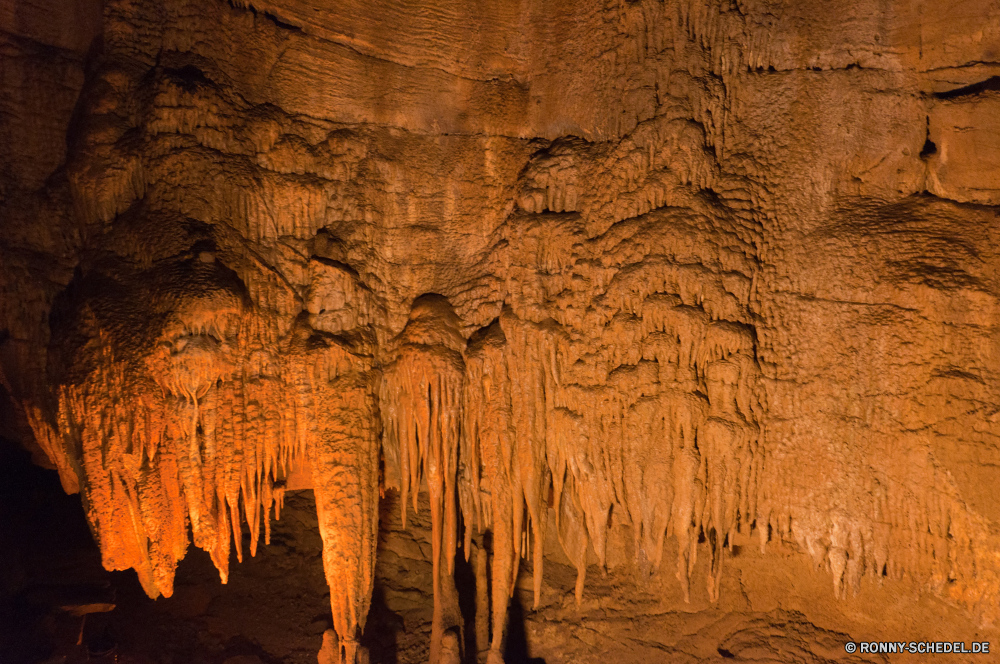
x=691, y=293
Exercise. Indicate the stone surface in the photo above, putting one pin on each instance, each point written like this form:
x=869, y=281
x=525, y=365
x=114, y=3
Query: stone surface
x=685, y=312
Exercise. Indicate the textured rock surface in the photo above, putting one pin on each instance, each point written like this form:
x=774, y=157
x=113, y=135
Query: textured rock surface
x=701, y=294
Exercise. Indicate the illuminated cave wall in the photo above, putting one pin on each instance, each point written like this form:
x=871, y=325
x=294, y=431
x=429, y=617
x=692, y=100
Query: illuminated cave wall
x=717, y=273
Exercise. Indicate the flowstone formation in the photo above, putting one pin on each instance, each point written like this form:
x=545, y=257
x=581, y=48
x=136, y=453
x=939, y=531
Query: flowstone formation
x=715, y=273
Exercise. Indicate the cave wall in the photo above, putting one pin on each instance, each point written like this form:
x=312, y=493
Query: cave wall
x=652, y=282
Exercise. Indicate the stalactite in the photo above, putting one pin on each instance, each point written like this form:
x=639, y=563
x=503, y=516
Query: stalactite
x=487, y=442
x=421, y=396
x=342, y=445
x=619, y=382
x=646, y=408
x=171, y=441
x=651, y=417
x=531, y=370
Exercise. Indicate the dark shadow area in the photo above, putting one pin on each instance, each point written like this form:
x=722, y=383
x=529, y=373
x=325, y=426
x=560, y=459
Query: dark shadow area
x=242, y=646
x=51, y=578
x=930, y=148
x=58, y=604
x=381, y=628
x=516, y=648
x=991, y=84
x=465, y=583
x=274, y=608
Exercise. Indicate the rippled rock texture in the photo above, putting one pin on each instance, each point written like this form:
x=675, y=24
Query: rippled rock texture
x=633, y=286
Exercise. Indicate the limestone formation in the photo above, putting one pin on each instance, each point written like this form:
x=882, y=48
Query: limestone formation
x=709, y=271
